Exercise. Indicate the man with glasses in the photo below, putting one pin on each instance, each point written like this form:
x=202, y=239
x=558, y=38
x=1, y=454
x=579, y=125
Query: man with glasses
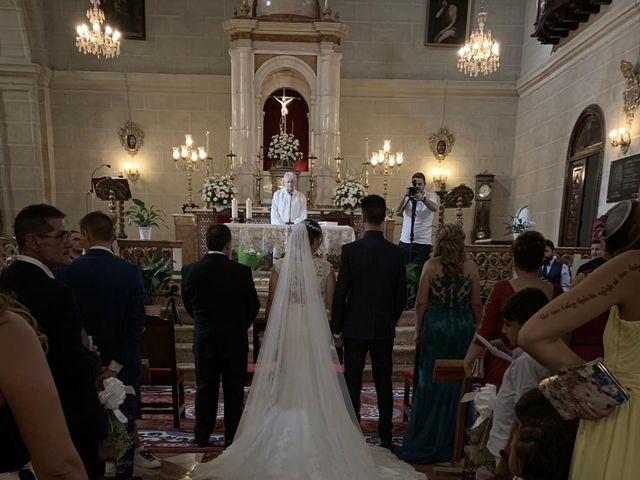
x=45, y=243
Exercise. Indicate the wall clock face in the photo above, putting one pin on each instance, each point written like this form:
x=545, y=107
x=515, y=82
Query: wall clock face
x=484, y=191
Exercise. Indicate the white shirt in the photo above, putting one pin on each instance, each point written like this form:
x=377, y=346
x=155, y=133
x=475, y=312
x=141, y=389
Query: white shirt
x=36, y=262
x=285, y=207
x=523, y=374
x=424, y=221
x=565, y=276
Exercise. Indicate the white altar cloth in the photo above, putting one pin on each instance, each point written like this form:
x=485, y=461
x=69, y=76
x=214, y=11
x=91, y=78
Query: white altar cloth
x=273, y=238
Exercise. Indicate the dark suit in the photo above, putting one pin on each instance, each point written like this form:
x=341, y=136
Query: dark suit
x=221, y=297
x=73, y=366
x=369, y=299
x=111, y=297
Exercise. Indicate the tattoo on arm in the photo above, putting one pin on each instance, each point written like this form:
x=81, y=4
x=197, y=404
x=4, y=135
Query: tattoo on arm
x=604, y=291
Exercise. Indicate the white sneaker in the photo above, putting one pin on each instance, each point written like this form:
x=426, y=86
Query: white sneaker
x=145, y=459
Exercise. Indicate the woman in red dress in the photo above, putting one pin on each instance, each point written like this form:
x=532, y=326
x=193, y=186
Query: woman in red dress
x=528, y=253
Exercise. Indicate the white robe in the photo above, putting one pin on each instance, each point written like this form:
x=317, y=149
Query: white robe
x=281, y=203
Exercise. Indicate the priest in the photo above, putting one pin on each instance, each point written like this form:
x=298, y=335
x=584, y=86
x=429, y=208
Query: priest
x=288, y=206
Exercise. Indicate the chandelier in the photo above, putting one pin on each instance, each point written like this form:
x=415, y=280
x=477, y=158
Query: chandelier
x=93, y=39
x=481, y=53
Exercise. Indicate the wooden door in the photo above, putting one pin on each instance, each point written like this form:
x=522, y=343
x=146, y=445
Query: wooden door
x=574, y=202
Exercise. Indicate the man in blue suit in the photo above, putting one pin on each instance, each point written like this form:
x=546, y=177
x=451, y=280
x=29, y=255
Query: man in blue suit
x=111, y=296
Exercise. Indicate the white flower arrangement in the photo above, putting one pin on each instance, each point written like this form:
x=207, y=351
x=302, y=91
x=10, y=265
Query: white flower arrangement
x=348, y=194
x=284, y=150
x=218, y=192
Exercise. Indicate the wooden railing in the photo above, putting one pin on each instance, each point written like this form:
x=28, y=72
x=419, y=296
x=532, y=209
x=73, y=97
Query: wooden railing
x=555, y=19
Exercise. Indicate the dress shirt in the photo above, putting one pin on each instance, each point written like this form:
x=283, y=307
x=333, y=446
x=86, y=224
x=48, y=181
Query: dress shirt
x=565, y=276
x=523, y=374
x=424, y=221
x=283, y=202
x=37, y=263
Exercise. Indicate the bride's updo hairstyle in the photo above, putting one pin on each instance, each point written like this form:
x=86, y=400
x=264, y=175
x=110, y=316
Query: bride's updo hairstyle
x=621, y=230
x=313, y=230
x=450, y=249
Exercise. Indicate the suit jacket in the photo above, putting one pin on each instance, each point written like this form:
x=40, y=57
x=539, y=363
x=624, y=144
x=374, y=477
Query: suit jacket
x=73, y=367
x=221, y=297
x=111, y=296
x=371, y=291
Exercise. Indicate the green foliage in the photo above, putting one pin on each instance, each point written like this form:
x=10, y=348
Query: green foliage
x=413, y=272
x=138, y=214
x=156, y=275
x=517, y=224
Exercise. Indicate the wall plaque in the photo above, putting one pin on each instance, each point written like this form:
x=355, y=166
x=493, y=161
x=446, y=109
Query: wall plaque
x=624, y=179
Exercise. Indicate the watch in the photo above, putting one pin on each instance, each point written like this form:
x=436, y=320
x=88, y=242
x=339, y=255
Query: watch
x=484, y=190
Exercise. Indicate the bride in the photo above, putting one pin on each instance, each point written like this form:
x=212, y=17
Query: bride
x=298, y=421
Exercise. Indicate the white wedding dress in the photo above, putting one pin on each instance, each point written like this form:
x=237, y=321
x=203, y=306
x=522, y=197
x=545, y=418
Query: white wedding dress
x=298, y=422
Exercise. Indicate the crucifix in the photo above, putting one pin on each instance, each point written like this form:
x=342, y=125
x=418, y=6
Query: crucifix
x=284, y=111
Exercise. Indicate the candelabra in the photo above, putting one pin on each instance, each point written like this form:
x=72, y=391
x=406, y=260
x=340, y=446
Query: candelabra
x=338, y=160
x=385, y=162
x=440, y=177
x=312, y=180
x=189, y=158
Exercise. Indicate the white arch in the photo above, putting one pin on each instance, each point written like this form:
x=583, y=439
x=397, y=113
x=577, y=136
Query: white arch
x=289, y=72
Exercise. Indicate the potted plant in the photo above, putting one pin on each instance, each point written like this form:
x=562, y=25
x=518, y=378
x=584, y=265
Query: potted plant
x=156, y=277
x=519, y=222
x=145, y=218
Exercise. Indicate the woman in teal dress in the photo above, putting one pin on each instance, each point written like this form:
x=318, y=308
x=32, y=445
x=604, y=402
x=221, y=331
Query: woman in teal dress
x=448, y=307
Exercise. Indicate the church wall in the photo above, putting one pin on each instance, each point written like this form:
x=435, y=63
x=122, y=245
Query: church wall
x=582, y=72
x=386, y=39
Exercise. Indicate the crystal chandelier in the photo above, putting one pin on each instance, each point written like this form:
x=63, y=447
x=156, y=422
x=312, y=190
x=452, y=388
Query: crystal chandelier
x=93, y=39
x=481, y=53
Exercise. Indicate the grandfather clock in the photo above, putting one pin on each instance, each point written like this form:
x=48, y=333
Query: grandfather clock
x=482, y=218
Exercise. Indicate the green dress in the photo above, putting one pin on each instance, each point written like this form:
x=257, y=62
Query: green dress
x=447, y=330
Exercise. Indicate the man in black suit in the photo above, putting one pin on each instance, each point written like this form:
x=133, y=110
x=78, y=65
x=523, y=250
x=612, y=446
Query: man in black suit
x=44, y=242
x=221, y=297
x=111, y=297
x=369, y=299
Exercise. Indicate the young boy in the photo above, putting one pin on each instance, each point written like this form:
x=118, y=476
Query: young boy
x=523, y=374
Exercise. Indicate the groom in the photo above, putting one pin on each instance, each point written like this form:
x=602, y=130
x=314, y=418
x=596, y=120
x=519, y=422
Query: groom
x=369, y=299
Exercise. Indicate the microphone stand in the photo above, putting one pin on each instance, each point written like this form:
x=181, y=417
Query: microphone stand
x=414, y=204
x=290, y=203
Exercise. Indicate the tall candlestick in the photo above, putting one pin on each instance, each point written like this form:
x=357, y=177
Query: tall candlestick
x=248, y=213
x=234, y=208
x=230, y=139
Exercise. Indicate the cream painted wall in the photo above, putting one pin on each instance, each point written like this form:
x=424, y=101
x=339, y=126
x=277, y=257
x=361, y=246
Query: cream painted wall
x=555, y=91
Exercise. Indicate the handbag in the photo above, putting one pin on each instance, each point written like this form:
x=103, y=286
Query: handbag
x=591, y=382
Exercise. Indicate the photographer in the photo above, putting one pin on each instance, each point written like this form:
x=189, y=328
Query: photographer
x=421, y=218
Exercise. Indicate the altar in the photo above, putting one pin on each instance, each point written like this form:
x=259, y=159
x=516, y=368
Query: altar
x=268, y=238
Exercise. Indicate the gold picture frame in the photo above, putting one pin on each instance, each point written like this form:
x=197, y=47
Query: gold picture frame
x=131, y=137
x=441, y=143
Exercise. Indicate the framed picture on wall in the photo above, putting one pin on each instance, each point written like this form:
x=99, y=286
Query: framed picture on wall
x=447, y=22
x=126, y=16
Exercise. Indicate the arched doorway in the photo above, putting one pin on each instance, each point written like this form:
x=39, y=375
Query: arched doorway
x=297, y=123
x=582, y=179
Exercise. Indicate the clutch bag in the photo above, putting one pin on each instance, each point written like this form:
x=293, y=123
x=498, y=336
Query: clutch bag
x=591, y=382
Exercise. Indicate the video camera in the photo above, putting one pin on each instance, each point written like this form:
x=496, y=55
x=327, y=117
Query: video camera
x=412, y=190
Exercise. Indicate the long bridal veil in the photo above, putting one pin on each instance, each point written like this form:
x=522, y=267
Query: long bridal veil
x=298, y=421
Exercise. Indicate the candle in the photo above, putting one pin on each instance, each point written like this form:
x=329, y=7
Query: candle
x=312, y=142
x=234, y=208
x=338, y=140
x=248, y=214
x=230, y=139
x=207, y=147
x=259, y=139
x=366, y=148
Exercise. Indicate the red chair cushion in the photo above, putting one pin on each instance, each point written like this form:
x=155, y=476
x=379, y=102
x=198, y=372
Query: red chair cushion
x=162, y=376
x=408, y=375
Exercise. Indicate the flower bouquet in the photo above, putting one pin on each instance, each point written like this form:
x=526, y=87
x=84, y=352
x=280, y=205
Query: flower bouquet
x=348, y=194
x=218, y=192
x=284, y=150
x=249, y=256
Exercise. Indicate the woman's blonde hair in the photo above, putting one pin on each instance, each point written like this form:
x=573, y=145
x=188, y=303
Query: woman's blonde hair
x=10, y=304
x=450, y=249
